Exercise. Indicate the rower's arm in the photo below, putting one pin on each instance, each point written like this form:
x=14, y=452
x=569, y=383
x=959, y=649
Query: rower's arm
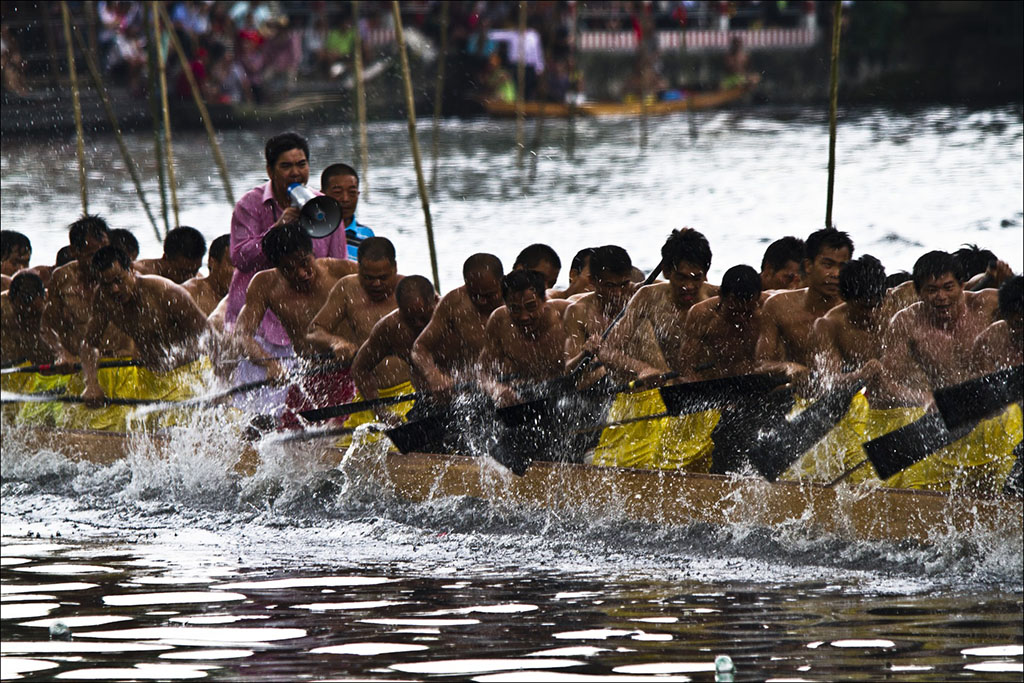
x=576, y=346
x=375, y=349
x=689, y=352
x=56, y=316
x=89, y=353
x=430, y=338
x=492, y=363
x=770, y=354
x=902, y=377
x=613, y=351
x=249, y=319
x=328, y=318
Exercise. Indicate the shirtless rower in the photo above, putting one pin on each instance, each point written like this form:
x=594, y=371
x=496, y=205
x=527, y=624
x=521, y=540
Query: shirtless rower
x=25, y=336
x=15, y=252
x=73, y=288
x=355, y=305
x=542, y=258
x=929, y=344
x=785, y=342
x=720, y=333
x=847, y=341
x=588, y=317
x=393, y=337
x=184, y=248
x=781, y=264
x=450, y=344
x=295, y=289
x=125, y=241
x=525, y=341
x=650, y=332
x=158, y=315
x=580, y=277
x=209, y=290
x=1001, y=345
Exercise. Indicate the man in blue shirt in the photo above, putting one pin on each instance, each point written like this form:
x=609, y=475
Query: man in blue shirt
x=341, y=183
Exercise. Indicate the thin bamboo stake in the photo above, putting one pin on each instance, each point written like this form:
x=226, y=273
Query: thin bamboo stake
x=439, y=92
x=125, y=154
x=161, y=61
x=203, y=112
x=76, y=106
x=521, y=85
x=409, y=104
x=364, y=145
x=837, y=16
x=154, y=110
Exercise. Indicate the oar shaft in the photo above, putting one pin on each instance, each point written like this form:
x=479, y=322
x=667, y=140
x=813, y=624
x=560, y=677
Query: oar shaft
x=73, y=368
x=842, y=477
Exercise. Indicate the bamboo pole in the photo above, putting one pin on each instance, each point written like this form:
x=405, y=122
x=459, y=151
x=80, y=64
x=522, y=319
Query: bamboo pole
x=409, y=104
x=133, y=170
x=364, y=146
x=154, y=110
x=203, y=112
x=837, y=17
x=76, y=106
x=161, y=63
x=439, y=92
x=521, y=85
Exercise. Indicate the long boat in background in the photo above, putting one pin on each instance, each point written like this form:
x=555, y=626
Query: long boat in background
x=667, y=497
x=695, y=101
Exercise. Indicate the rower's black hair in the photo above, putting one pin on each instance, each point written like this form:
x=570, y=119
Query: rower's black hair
x=283, y=241
x=488, y=263
x=935, y=264
x=862, y=280
x=1011, y=297
x=219, y=246
x=531, y=256
x=335, y=170
x=25, y=287
x=973, y=259
x=741, y=282
x=376, y=249
x=11, y=241
x=107, y=256
x=580, y=260
x=184, y=242
x=782, y=251
x=610, y=259
x=686, y=245
x=896, y=279
x=65, y=254
x=125, y=240
x=89, y=225
x=414, y=286
x=279, y=144
x=522, y=280
x=829, y=238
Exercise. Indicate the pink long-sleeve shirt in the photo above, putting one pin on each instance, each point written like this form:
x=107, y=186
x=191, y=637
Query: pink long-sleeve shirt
x=253, y=217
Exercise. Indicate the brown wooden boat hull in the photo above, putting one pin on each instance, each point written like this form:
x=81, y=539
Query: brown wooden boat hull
x=661, y=497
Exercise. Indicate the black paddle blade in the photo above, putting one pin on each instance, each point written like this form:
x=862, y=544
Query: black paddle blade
x=979, y=398
x=419, y=435
x=694, y=397
x=1014, y=485
x=896, y=451
x=776, y=451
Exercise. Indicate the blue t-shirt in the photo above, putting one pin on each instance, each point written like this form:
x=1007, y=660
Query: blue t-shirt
x=354, y=235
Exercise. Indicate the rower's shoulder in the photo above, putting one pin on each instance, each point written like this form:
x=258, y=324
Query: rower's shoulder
x=197, y=285
x=582, y=305
x=63, y=274
x=783, y=302
x=703, y=309
x=985, y=301
x=650, y=293
x=339, y=267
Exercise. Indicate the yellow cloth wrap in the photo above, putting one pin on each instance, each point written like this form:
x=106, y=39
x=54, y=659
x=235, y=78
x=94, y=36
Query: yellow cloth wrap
x=663, y=443
x=369, y=416
x=16, y=383
x=842, y=448
x=979, y=462
x=139, y=383
x=43, y=413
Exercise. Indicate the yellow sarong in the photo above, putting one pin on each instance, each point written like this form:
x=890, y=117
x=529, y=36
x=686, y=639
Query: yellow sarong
x=139, y=383
x=979, y=462
x=369, y=416
x=663, y=443
x=45, y=413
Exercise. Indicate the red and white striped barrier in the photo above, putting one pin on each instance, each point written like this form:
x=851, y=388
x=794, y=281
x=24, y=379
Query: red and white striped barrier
x=668, y=41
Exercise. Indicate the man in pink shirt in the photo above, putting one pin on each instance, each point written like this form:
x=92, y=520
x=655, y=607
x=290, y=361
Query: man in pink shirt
x=259, y=210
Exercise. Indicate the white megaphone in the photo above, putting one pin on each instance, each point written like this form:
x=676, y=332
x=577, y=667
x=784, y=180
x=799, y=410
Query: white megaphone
x=319, y=216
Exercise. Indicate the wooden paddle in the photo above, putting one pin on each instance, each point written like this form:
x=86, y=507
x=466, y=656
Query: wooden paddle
x=979, y=398
x=69, y=368
x=776, y=451
x=896, y=451
x=8, y=397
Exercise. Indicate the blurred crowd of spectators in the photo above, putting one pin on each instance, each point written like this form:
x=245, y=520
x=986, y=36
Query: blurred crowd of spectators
x=252, y=50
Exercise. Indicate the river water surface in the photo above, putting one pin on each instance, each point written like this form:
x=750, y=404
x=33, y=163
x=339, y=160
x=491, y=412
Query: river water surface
x=174, y=569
